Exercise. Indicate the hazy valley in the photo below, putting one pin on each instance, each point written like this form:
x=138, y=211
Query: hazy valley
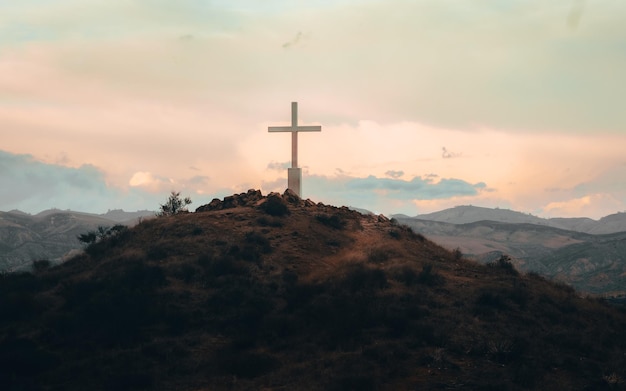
x=52, y=234
x=587, y=254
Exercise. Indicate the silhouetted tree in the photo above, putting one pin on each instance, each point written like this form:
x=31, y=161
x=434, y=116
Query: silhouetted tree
x=174, y=205
x=102, y=232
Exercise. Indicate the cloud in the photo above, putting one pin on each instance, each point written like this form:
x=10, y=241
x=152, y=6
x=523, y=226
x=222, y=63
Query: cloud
x=447, y=155
x=198, y=180
x=575, y=14
x=278, y=166
x=394, y=174
x=149, y=181
x=298, y=40
x=381, y=56
x=32, y=186
x=117, y=86
x=593, y=205
x=381, y=195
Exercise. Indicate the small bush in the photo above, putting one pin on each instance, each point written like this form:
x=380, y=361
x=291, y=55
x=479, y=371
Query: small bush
x=490, y=300
x=334, y=221
x=504, y=262
x=361, y=278
x=406, y=275
x=98, y=241
x=227, y=266
x=263, y=221
x=275, y=206
x=258, y=240
x=378, y=255
x=394, y=233
x=157, y=253
x=174, y=205
x=41, y=265
x=186, y=272
x=428, y=277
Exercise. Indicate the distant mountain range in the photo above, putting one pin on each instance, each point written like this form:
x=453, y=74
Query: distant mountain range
x=471, y=214
x=588, y=254
x=51, y=234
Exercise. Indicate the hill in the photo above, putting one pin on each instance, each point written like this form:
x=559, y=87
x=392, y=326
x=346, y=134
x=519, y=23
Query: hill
x=50, y=235
x=594, y=264
x=467, y=214
x=278, y=293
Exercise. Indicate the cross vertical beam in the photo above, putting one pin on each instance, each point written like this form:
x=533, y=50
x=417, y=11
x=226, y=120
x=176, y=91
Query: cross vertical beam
x=294, y=135
x=294, y=173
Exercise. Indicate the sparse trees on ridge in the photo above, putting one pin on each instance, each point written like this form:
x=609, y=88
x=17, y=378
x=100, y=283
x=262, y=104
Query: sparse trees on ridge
x=102, y=232
x=174, y=205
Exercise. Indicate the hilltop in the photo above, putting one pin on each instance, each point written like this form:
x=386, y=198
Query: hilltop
x=274, y=292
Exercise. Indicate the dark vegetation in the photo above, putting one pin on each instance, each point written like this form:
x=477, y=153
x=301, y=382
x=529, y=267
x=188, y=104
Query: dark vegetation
x=174, y=204
x=275, y=297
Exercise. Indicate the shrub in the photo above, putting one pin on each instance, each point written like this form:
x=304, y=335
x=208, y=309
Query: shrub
x=259, y=240
x=406, y=275
x=378, y=255
x=394, y=233
x=101, y=234
x=488, y=301
x=335, y=221
x=361, y=278
x=274, y=205
x=263, y=221
x=227, y=266
x=88, y=238
x=174, y=205
x=98, y=241
x=41, y=265
x=428, y=277
x=158, y=253
x=504, y=262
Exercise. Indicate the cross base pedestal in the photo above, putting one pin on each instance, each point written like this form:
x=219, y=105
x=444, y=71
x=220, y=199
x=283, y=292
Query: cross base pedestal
x=294, y=180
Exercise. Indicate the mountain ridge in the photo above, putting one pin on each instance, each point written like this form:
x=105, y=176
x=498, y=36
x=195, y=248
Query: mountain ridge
x=50, y=235
x=464, y=214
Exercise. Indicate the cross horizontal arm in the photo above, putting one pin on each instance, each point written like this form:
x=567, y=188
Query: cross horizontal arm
x=294, y=129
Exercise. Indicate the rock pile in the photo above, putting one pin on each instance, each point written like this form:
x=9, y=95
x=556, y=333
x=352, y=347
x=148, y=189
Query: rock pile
x=254, y=198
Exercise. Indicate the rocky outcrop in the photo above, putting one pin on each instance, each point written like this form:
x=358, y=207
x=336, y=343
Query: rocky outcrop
x=249, y=198
x=254, y=198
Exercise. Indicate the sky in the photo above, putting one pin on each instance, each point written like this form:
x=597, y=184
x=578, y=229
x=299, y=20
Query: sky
x=424, y=104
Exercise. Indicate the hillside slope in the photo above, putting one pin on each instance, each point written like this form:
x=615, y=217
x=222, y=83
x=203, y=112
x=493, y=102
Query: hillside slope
x=50, y=235
x=593, y=264
x=278, y=293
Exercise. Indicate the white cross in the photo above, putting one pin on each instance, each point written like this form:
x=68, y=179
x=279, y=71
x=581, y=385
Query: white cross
x=294, y=129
